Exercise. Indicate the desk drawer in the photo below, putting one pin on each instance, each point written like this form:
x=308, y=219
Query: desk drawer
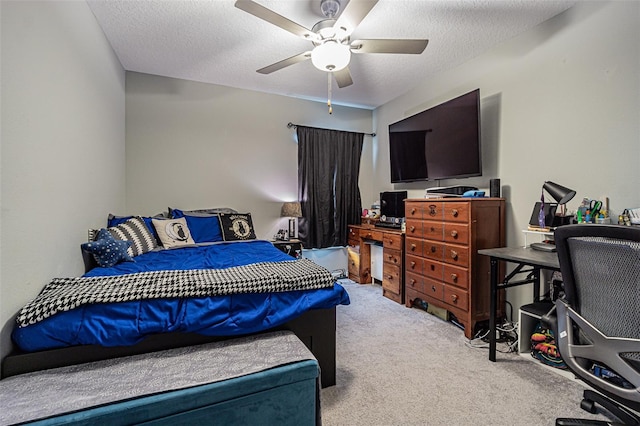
x=354, y=233
x=370, y=234
x=455, y=255
x=414, y=264
x=353, y=264
x=392, y=240
x=391, y=278
x=392, y=257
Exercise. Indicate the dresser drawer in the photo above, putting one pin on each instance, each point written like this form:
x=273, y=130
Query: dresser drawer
x=433, y=230
x=413, y=246
x=433, y=288
x=413, y=264
x=413, y=210
x=455, y=255
x=392, y=257
x=432, y=269
x=414, y=282
x=456, y=297
x=456, y=276
x=456, y=233
x=371, y=234
x=391, y=278
x=413, y=228
x=392, y=241
x=456, y=212
x=432, y=250
x=433, y=210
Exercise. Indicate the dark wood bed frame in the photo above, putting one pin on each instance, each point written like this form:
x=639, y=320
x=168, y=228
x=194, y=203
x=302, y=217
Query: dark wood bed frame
x=315, y=328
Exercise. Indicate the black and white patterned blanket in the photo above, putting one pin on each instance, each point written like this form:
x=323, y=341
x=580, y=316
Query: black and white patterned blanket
x=64, y=294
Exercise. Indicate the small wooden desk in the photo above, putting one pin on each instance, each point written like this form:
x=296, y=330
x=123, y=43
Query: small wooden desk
x=530, y=262
x=360, y=238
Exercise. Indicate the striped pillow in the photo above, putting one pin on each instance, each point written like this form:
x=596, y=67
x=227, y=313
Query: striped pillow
x=136, y=231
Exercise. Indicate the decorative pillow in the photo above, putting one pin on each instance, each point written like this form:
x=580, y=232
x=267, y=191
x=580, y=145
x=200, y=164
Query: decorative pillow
x=107, y=250
x=113, y=220
x=173, y=232
x=237, y=226
x=136, y=231
x=204, y=227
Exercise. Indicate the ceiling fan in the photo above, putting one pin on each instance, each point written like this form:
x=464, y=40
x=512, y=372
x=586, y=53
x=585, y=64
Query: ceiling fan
x=331, y=37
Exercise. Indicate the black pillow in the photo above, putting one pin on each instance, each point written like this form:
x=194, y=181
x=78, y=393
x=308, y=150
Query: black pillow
x=236, y=226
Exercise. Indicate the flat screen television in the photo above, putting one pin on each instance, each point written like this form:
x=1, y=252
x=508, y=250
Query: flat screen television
x=442, y=142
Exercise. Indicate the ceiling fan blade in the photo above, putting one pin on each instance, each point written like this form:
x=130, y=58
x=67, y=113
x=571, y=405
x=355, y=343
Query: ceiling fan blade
x=353, y=14
x=414, y=46
x=270, y=16
x=343, y=77
x=285, y=63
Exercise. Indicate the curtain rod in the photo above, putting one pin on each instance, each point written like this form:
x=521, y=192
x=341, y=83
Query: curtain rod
x=290, y=125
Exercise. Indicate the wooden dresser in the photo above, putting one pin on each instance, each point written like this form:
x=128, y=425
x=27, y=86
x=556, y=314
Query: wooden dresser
x=360, y=239
x=442, y=266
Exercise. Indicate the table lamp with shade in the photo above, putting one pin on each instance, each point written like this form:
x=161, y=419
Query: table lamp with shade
x=292, y=210
x=562, y=195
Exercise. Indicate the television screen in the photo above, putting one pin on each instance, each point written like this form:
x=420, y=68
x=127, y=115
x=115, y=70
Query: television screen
x=442, y=142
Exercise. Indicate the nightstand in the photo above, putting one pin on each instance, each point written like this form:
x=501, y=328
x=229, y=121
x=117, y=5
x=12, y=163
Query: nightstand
x=291, y=247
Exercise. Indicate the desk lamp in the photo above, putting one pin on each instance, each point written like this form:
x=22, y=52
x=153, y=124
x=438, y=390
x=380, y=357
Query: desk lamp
x=562, y=195
x=292, y=210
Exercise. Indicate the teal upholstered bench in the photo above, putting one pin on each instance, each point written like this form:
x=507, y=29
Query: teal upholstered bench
x=264, y=379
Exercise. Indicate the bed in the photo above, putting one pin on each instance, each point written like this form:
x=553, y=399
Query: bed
x=162, y=308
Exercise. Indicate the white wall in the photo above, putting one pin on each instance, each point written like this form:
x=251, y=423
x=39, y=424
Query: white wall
x=63, y=144
x=194, y=145
x=559, y=103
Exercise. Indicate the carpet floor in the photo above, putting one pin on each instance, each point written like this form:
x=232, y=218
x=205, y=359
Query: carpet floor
x=401, y=366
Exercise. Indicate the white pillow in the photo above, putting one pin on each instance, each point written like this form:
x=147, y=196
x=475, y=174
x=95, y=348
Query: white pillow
x=173, y=232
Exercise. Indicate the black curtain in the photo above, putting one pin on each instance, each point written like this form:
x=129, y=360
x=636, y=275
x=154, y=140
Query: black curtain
x=328, y=170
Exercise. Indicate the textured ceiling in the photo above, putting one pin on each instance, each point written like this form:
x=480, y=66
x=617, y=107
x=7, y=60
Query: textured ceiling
x=212, y=41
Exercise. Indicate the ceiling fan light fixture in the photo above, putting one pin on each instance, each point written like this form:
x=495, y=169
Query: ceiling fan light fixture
x=331, y=56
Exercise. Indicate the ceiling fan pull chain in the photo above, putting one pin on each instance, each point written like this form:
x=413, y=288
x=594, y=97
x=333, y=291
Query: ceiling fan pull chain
x=329, y=75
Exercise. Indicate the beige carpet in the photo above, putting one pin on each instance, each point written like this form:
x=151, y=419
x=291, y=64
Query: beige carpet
x=400, y=366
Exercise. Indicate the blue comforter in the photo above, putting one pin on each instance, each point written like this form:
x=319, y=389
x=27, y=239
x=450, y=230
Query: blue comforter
x=127, y=323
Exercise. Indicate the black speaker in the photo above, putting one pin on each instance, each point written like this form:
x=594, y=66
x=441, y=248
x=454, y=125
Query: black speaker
x=494, y=188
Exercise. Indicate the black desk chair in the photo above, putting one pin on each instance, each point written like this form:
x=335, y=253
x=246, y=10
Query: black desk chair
x=598, y=320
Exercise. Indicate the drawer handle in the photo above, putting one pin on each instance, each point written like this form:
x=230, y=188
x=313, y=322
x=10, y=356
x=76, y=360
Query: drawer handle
x=413, y=282
x=454, y=298
x=412, y=229
x=369, y=235
x=454, y=212
x=389, y=277
x=454, y=234
x=353, y=263
x=413, y=247
x=433, y=249
x=433, y=267
x=433, y=229
x=413, y=210
x=413, y=265
x=433, y=288
x=432, y=210
x=454, y=255
x=454, y=278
